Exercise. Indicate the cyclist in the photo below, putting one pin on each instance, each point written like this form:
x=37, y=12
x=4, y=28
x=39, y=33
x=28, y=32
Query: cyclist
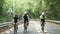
x=42, y=18
x=26, y=21
x=15, y=24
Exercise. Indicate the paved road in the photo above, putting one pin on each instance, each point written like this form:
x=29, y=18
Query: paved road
x=35, y=28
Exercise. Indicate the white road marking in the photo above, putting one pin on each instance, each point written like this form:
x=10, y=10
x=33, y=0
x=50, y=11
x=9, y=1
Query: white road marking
x=8, y=32
x=38, y=28
x=43, y=33
x=48, y=33
x=38, y=31
x=11, y=29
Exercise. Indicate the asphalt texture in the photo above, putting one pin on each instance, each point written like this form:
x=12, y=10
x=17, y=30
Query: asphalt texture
x=35, y=28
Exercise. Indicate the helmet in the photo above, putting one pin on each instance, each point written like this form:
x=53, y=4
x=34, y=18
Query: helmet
x=25, y=12
x=43, y=13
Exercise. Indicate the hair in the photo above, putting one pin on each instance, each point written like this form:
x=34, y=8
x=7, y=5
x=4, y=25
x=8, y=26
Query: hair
x=15, y=15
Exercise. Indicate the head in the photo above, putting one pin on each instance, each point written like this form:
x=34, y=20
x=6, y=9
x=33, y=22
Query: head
x=15, y=15
x=43, y=13
x=25, y=13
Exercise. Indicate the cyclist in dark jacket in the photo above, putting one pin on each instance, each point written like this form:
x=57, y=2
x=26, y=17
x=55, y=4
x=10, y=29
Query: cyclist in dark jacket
x=26, y=21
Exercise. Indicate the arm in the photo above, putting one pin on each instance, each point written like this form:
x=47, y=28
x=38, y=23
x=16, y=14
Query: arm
x=22, y=18
x=28, y=18
x=40, y=19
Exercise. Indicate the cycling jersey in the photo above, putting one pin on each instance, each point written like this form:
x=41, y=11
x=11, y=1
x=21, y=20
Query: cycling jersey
x=15, y=19
x=25, y=18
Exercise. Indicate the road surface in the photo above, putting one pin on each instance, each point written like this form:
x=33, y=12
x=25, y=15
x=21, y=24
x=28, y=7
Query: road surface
x=35, y=28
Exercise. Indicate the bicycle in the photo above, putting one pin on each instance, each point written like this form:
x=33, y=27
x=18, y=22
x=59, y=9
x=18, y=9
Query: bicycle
x=42, y=27
x=25, y=26
x=15, y=28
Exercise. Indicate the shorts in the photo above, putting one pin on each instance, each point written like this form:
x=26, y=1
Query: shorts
x=43, y=22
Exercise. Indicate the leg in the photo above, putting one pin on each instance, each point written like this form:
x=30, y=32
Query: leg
x=15, y=29
x=24, y=27
x=42, y=28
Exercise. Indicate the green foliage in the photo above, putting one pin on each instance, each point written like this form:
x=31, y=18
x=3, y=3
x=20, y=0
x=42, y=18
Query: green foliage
x=53, y=8
x=33, y=7
x=4, y=16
